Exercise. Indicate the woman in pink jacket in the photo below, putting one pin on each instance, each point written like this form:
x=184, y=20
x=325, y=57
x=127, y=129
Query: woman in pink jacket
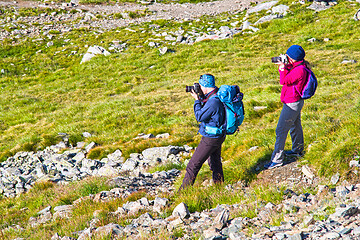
x=293, y=77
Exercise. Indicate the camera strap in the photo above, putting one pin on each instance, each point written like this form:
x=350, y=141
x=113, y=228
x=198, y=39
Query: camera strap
x=210, y=94
x=302, y=63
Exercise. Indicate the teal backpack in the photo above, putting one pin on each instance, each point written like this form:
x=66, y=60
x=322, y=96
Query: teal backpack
x=234, y=107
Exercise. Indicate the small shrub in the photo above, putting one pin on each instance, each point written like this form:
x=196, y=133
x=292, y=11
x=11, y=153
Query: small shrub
x=41, y=186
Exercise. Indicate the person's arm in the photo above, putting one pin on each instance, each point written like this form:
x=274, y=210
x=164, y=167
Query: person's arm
x=289, y=78
x=202, y=113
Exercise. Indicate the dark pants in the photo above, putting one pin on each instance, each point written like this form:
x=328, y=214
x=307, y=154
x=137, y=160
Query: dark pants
x=208, y=149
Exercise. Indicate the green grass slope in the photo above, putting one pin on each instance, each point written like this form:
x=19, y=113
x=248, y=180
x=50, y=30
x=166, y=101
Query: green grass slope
x=139, y=91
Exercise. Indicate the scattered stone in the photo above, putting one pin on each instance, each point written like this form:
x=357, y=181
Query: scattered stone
x=93, y=51
x=357, y=15
x=145, y=136
x=346, y=61
x=252, y=149
x=354, y=163
x=259, y=108
x=318, y=7
x=163, y=50
x=261, y=7
x=163, y=135
x=181, y=210
x=86, y=134
x=247, y=25
x=111, y=229
x=335, y=178
x=312, y=40
x=307, y=172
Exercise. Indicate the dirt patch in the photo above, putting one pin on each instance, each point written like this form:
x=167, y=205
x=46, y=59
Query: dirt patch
x=166, y=11
x=289, y=175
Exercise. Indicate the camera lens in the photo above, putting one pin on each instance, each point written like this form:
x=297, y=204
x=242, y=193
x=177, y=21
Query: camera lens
x=275, y=59
x=189, y=88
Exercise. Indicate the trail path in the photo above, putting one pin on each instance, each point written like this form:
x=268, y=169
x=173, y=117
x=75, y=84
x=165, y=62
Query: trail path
x=161, y=11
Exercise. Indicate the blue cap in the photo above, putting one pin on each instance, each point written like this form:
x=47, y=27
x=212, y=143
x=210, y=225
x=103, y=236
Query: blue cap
x=207, y=80
x=296, y=52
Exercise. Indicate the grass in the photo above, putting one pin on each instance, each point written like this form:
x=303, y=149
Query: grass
x=138, y=91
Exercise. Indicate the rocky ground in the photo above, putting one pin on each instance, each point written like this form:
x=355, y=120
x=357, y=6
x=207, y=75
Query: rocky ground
x=68, y=16
x=329, y=213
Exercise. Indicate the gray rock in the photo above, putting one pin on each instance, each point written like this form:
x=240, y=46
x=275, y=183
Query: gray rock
x=90, y=163
x=335, y=178
x=354, y=163
x=280, y=236
x=221, y=219
x=247, y=25
x=307, y=172
x=143, y=135
x=133, y=207
x=170, y=38
x=345, y=231
x=145, y=220
x=344, y=212
x=347, y=61
x=45, y=210
x=331, y=235
x=296, y=236
x=356, y=231
x=163, y=50
x=107, y=170
x=160, y=203
x=267, y=18
x=90, y=146
x=357, y=15
x=308, y=220
x=163, y=135
x=237, y=236
x=63, y=208
x=280, y=9
x=179, y=38
x=181, y=210
x=262, y=6
x=111, y=229
x=129, y=165
x=318, y=7
x=153, y=44
x=161, y=154
x=342, y=191
x=55, y=237
x=115, y=156
x=79, y=157
x=86, y=134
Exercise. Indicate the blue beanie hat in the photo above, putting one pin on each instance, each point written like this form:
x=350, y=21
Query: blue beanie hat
x=296, y=52
x=207, y=80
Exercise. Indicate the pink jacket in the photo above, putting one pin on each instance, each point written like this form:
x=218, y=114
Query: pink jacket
x=293, y=79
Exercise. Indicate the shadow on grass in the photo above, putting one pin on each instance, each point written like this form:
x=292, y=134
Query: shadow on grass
x=252, y=172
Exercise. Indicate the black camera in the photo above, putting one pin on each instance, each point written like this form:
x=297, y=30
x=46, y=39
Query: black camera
x=196, y=89
x=280, y=59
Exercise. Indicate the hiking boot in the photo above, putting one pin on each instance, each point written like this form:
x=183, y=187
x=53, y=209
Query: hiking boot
x=294, y=154
x=272, y=165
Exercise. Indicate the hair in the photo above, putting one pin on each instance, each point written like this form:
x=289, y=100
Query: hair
x=307, y=64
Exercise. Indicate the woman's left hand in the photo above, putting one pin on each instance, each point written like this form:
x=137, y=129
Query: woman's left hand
x=281, y=67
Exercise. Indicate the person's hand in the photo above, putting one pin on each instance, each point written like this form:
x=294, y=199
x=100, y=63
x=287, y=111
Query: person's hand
x=281, y=66
x=194, y=95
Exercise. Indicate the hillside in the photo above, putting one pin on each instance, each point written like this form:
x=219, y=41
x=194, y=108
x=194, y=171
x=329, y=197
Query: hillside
x=87, y=88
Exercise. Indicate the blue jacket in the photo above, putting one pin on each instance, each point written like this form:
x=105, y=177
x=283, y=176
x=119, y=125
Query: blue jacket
x=212, y=114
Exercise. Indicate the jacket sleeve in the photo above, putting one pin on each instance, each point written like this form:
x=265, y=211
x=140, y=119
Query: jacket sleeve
x=202, y=113
x=291, y=77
